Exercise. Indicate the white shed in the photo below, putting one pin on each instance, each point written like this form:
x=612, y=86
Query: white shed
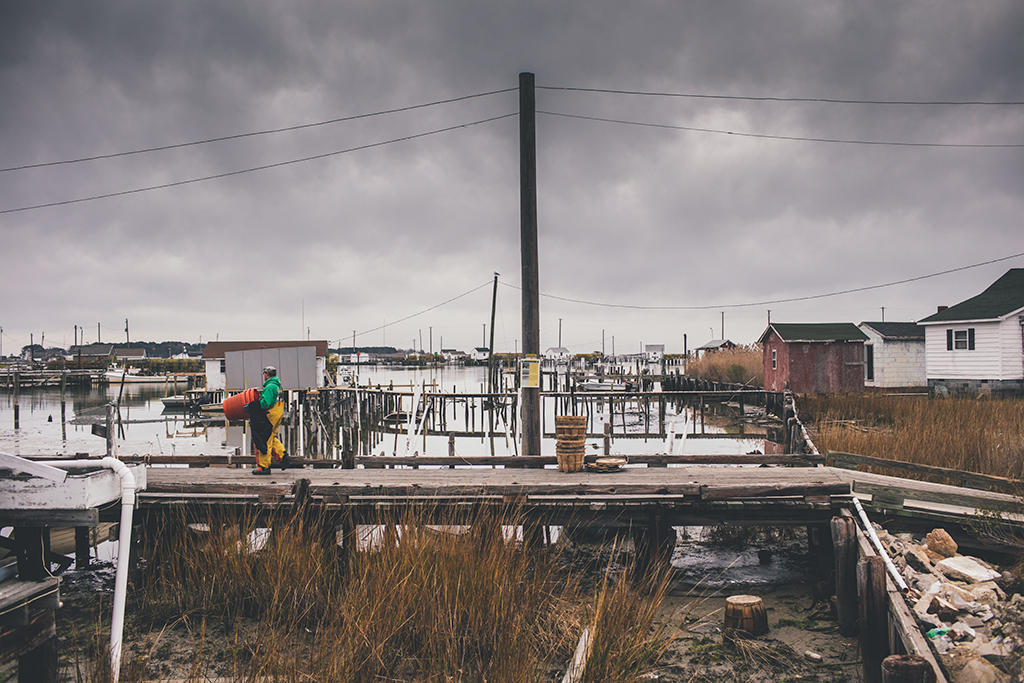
x=894, y=355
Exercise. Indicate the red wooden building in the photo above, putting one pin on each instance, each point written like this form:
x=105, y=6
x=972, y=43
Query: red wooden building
x=813, y=358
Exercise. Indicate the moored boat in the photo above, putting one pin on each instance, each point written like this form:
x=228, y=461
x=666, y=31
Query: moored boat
x=117, y=375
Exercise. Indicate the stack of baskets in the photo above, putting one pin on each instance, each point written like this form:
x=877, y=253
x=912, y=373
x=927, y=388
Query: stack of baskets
x=571, y=441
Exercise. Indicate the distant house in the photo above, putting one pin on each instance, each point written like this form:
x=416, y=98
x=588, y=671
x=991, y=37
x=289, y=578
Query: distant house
x=129, y=354
x=977, y=346
x=813, y=358
x=894, y=355
x=239, y=364
x=557, y=353
x=480, y=354
x=102, y=352
x=653, y=353
x=714, y=345
x=453, y=355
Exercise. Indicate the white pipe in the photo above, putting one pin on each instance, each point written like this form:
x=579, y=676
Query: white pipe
x=878, y=545
x=123, y=549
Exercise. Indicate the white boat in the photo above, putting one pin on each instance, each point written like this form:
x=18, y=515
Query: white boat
x=116, y=375
x=173, y=402
x=598, y=384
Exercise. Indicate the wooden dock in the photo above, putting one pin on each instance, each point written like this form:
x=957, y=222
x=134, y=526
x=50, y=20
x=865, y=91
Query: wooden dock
x=650, y=495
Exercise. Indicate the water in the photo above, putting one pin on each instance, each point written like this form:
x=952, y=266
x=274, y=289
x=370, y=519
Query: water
x=46, y=429
x=147, y=429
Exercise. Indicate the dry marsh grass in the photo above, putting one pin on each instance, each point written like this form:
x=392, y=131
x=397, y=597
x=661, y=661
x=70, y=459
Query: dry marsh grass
x=971, y=435
x=455, y=601
x=742, y=365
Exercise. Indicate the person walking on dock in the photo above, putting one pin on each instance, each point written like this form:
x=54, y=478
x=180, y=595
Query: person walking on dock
x=265, y=415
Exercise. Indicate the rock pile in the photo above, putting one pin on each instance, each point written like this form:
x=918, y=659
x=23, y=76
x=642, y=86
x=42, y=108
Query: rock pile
x=962, y=607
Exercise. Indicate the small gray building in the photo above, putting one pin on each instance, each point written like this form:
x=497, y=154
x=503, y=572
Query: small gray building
x=894, y=355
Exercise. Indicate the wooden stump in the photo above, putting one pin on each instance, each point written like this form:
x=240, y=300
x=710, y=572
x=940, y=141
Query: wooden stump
x=907, y=669
x=746, y=613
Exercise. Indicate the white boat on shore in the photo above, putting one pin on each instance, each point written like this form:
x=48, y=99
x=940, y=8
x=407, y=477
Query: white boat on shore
x=116, y=375
x=600, y=384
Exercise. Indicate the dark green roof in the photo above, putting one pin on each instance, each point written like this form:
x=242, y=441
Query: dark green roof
x=1003, y=296
x=897, y=331
x=816, y=332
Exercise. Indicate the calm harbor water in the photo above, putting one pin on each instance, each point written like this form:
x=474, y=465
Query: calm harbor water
x=49, y=427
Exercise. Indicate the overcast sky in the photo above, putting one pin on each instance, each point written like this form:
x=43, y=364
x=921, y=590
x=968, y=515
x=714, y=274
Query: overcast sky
x=647, y=232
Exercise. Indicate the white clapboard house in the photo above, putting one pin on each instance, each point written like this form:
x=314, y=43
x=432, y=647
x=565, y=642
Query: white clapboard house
x=977, y=346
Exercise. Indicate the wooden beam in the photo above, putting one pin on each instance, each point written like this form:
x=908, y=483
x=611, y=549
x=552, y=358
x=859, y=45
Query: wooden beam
x=894, y=497
x=971, y=480
x=50, y=518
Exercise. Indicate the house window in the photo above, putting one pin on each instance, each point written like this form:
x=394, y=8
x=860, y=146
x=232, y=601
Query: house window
x=223, y=366
x=869, y=361
x=960, y=340
x=775, y=359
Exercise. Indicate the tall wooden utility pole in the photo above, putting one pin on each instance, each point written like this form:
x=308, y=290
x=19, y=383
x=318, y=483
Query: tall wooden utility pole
x=528, y=245
x=490, y=364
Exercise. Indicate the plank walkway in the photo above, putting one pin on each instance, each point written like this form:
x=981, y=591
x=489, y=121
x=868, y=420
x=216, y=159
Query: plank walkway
x=687, y=495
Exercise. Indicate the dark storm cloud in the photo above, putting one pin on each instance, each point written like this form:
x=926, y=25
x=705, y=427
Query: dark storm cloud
x=629, y=215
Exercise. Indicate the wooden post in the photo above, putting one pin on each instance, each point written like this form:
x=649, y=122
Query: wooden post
x=608, y=436
x=874, y=632
x=844, y=545
x=38, y=664
x=82, y=558
x=907, y=669
x=17, y=391
x=30, y=552
x=531, y=408
x=110, y=429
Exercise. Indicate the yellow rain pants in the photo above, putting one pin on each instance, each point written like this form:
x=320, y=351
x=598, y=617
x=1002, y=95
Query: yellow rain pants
x=273, y=450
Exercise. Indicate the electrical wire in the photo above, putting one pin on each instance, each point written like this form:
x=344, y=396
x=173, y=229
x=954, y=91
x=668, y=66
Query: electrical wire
x=427, y=310
x=775, y=301
x=238, y=136
x=254, y=168
x=821, y=100
x=791, y=138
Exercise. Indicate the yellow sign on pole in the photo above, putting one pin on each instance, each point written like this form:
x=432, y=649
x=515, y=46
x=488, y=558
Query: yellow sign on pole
x=530, y=373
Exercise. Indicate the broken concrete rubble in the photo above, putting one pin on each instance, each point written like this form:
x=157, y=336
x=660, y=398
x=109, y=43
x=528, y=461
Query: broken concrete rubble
x=976, y=631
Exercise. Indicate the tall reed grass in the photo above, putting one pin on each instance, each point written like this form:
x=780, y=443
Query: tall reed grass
x=984, y=436
x=458, y=599
x=741, y=365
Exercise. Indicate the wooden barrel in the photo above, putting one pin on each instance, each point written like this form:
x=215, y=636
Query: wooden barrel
x=570, y=432
x=571, y=441
x=570, y=462
x=746, y=613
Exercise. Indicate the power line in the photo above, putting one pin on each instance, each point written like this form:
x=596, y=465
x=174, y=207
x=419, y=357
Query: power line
x=426, y=310
x=250, y=134
x=254, y=168
x=822, y=100
x=783, y=137
x=775, y=301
